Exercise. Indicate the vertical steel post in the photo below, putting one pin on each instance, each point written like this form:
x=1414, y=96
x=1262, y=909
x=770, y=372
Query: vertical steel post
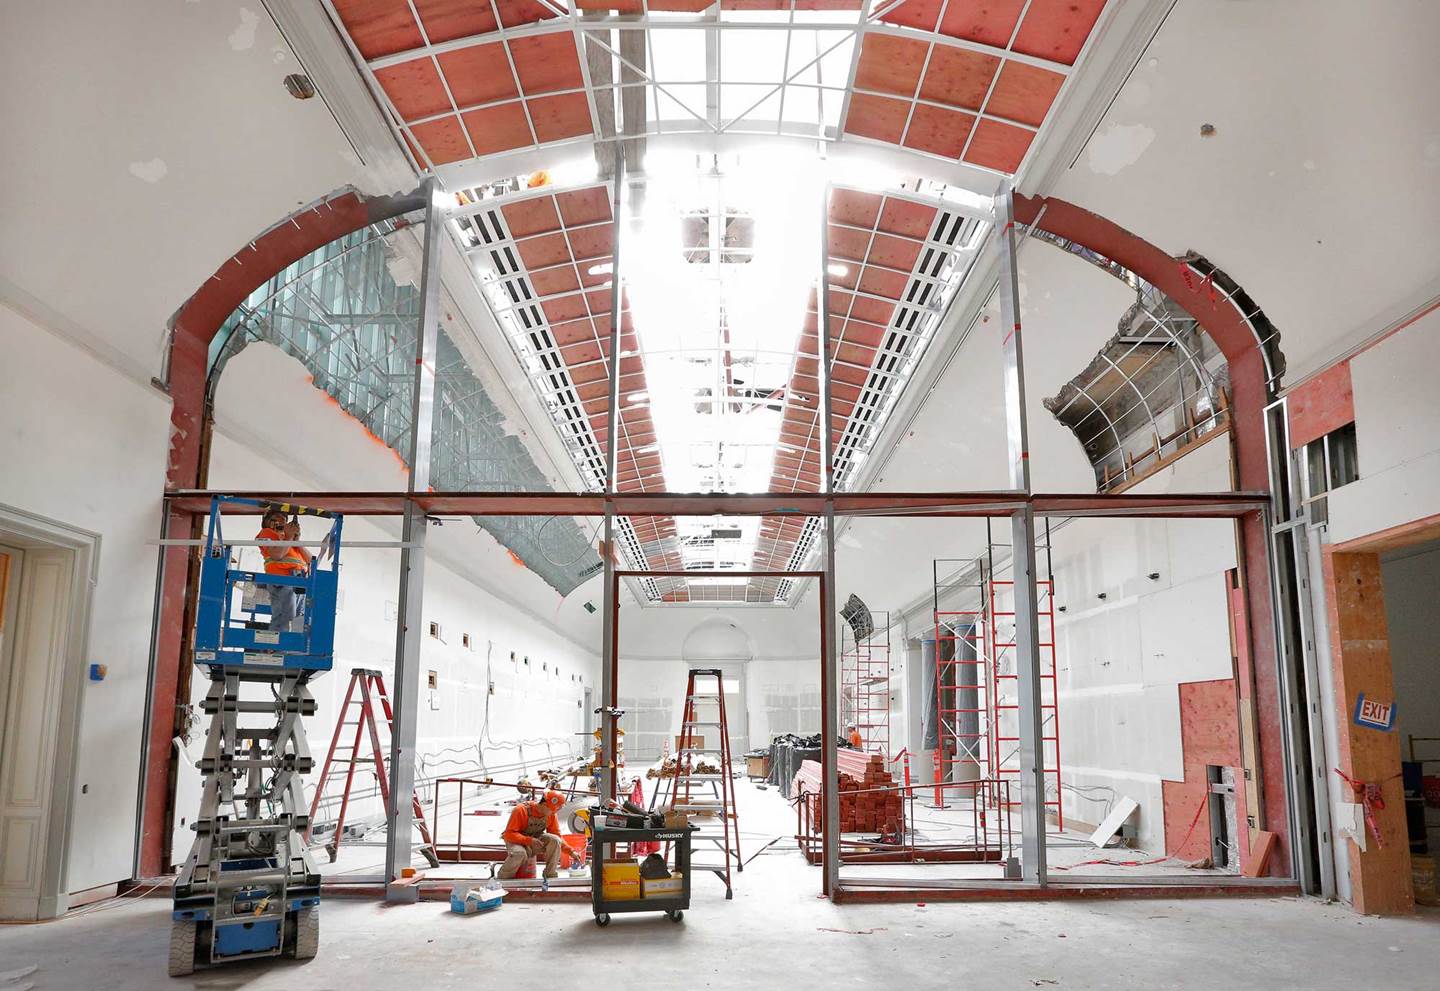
x=609, y=661
x=1022, y=545
x=400, y=814
x=829, y=688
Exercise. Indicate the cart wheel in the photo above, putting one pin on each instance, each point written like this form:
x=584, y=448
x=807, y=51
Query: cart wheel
x=676, y=915
x=603, y=919
x=182, y=949
x=307, y=933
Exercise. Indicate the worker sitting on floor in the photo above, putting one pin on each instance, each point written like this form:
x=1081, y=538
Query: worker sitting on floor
x=853, y=735
x=289, y=560
x=533, y=829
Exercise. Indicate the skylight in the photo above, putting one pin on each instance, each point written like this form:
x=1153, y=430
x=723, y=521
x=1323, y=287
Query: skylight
x=718, y=323
x=719, y=256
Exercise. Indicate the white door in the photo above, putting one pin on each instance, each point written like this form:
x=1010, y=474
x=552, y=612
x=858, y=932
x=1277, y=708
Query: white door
x=32, y=655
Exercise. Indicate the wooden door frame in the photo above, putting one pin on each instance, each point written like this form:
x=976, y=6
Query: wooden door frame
x=29, y=531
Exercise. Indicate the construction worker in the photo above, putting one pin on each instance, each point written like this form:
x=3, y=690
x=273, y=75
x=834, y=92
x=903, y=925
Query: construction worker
x=853, y=735
x=289, y=561
x=533, y=829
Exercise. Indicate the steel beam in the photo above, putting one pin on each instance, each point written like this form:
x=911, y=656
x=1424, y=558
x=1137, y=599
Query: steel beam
x=400, y=815
x=1190, y=505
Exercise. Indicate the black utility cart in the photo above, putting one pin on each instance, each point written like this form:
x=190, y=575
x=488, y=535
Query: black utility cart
x=602, y=836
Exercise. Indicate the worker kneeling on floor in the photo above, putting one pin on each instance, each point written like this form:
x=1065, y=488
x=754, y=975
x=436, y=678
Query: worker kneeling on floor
x=533, y=830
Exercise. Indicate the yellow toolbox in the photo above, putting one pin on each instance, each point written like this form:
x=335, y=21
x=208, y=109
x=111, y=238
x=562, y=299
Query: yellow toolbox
x=621, y=881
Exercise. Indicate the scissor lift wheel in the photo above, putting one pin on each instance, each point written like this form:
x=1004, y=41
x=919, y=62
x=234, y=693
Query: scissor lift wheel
x=182, y=948
x=307, y=933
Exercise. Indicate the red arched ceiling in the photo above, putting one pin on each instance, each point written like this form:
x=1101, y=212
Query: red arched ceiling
x=968, y=81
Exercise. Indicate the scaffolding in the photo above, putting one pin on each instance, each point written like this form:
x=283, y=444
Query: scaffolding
x=865, y=683
x=964, y=748
x=977, y=697
x=1005, y=677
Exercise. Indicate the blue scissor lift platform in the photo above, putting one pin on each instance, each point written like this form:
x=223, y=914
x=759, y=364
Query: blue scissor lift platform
x=249, y=887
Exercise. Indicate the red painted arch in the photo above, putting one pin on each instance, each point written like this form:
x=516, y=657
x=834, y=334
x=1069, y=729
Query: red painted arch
x=1228, y=328
x=192, y=330
x=197, y=322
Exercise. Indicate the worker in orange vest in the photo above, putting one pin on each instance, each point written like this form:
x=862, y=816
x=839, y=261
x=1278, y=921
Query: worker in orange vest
x=854, y=737
x=292, y=560
x=533, y=829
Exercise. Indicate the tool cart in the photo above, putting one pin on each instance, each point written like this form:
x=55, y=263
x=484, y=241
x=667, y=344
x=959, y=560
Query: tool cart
x=621, y=889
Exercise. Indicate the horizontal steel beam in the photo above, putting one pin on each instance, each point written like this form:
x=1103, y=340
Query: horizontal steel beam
x=932, y=504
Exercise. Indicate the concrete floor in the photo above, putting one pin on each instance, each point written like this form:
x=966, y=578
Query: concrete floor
x=772, y=934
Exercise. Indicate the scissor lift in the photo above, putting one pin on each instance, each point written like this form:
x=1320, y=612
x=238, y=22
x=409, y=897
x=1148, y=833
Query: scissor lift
x=250, y=887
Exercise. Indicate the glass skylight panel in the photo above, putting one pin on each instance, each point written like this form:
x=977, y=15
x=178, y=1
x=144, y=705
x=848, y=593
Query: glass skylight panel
x=678, y=56
x=752, y=56
x=750, y=107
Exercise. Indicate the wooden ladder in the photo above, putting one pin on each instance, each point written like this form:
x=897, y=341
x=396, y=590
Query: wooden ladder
x=371, y=685
x=720, y=803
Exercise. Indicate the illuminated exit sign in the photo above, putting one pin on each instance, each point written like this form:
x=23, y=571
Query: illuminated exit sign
x=1373, y=714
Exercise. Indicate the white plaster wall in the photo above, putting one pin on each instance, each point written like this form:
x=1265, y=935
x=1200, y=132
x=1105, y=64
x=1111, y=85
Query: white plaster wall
x=472, y=586
x=145, y=144
x=1412, y=614
x=1397, y=434
x=84, y=445
x=1318, y=191
x=784, y=697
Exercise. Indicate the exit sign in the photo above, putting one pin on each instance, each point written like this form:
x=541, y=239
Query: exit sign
x=1374, y=714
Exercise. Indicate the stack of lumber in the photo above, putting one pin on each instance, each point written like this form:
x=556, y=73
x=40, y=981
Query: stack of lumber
x=869, y=799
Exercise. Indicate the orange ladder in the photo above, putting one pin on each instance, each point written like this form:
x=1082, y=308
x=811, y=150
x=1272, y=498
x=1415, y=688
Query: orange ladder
x=371, y=684
x=721, y=803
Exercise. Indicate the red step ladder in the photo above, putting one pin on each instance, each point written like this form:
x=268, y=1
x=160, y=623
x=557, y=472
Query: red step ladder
x=371, y=684
x=721, y=802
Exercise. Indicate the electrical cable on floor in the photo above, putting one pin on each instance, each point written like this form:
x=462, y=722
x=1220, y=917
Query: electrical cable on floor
x=93, y=907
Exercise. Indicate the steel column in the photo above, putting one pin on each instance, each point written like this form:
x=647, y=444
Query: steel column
x=400, y=814
x=830, y=667
x=609, y=661
x=1022, y=550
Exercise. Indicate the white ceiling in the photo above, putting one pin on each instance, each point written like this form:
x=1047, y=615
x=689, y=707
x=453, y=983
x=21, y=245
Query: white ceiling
x=1319, y=191
x=144, y=144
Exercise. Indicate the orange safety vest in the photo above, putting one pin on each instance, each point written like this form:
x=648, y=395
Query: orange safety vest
x=529, y=821
x=291, y=560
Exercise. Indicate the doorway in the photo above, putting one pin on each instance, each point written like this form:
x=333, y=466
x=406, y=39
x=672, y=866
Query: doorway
x=45, y=580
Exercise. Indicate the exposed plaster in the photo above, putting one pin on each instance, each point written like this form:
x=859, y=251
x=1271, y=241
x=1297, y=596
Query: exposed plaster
x=1117, y=147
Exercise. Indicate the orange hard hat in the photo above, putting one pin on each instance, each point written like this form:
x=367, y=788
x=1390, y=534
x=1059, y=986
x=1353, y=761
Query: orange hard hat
x=553, y=800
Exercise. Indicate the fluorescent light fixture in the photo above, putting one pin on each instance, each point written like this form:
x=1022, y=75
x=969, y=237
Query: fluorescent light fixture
x=838, y=270
x=604, y=268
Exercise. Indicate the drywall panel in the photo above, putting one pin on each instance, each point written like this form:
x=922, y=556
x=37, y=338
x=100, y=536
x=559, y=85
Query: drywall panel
x=1397, y=434
x=84, y=445
x=1183, y=632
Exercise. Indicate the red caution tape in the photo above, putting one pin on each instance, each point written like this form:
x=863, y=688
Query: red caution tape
x=1371, y=798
